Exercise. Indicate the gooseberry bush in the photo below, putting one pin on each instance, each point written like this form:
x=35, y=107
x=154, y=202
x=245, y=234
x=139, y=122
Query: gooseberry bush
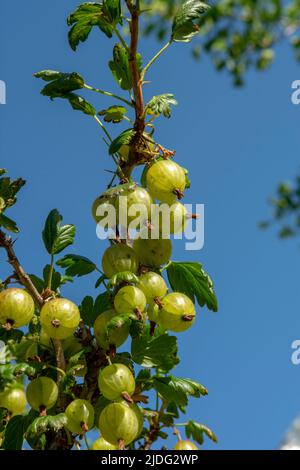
x=63, y=371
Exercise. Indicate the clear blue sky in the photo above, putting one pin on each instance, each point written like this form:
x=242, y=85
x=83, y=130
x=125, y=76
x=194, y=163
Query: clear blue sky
x=238, y=144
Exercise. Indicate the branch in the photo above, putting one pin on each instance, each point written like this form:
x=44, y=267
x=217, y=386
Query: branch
x=7, y=244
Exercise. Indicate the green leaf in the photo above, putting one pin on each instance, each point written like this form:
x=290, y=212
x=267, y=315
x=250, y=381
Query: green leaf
x=55, y=236
x=60, y=83
x=125, y=276
x=85, y=17
x=124, y=138
x=14, y=433
x=191, y=279
x=91, y=309
x=185, y=25
x=119, y=66
x=39, y=283
x=45, y=423
x=196, y=431
x=177, y=390
x=8, y=190
x=113, y=114
x=9, y=224
x=80, y=104
x=159, y=350
x=112, y=10
x=76, y=265
x=161, y=104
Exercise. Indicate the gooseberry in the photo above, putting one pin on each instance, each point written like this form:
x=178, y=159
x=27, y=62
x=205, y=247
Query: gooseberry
x=60, y=318
x=166, y=181
x=177, y=312
x=185, y=445
x=105, y=338
x=119, y=258
x=16, y=308
x=119, y=422
x=118, y=203
x=169, y=218
x=115, y=381
x=153, y=285
x=152, y=252
x=13, y=398
x=42, y=393
x=102, y=444
x=130, y=299
x=80, y=416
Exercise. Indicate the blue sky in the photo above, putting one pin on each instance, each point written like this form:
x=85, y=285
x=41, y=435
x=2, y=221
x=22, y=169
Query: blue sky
x=238, y=145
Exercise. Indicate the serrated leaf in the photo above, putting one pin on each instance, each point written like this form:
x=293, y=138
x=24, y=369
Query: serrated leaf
x=9, y=224
x=124, y=138
x=159, y=350
x=191, y=279
x=90, y=309
x=177, y=390
x=42, y=424
x=112, y=10
x=161, y=104
x=55, y=236
x=185, y=25
x=119, y=66
x=76, y=265
x=113, y=114
x=80, y=104
x=60, y=83
x=84, y=18
x=196, y=431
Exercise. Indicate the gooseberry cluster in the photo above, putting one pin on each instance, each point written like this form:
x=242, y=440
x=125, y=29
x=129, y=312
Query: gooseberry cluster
x=63, y=373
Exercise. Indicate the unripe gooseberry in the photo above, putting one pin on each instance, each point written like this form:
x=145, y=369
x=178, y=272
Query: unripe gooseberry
x=13, y=398
x=60, y=318
x=121, y=205
x=80, y=416
x=105, y=338
x=16, y=308
x=153, y=285
x=119, y=258
x=185, y=445
x=153, y=312
x=130, y=299
x=116, y=382
x=119, y=422
x=102, y=444
x=177, y=312
x=152, y=252
x=42, y=393
x=166, y=181
x=169, y=218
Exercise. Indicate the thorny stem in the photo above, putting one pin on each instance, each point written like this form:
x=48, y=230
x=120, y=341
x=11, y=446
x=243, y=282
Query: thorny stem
x=108, y=93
